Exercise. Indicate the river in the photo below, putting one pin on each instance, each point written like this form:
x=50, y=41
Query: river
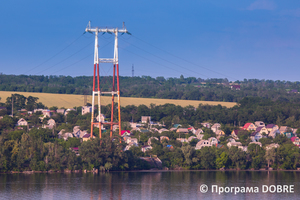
x=153, y=185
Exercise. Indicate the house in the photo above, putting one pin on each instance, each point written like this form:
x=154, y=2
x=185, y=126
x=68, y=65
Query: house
x=86, y=137
x=274, y=133
x=164, y=138
x=163, y=130
x=258, y=143
x=215, y=127
x=259, y=124
x=136, y=129
x=220, y=133
x=198, y=131
x=173, y=129
x=129, y=145
x=47, y=113
x=262, y=130
x=115, y=127
x=22, y=122
x=130, y=139
x=75, y=150
x=66, y=135
x=150, y=139
x=271, y=127
x=235, y=87
x=101, y=118
x=243, y=148
x=182, y=130
x=234, y=134
x=213, y=141
x=249, y=127
x=145, y=119
x=203, y=143
x=206, y=124
x=50, y=124
x=146, y=148
x=289, y=134
x=60, y=111
x=69, y=110
x=295, y=141
x=176, y=126
x=283, y=129
x=200, y=136
x=256, y=136
x=270, y=146
x=191, y=138
x=182, y=140
x=237, y=144
x=125, y=132
x=192, y=129
x=86, y=110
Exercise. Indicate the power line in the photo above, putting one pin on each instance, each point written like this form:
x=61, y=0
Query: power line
x=166, y=60
x=55, y=54
x=185, y=59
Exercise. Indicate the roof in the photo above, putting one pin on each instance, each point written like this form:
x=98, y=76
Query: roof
x=247, y=125
x=125, y=131
x=293, y=138
x=86, y=135
x=270, y=125
x=258, y=129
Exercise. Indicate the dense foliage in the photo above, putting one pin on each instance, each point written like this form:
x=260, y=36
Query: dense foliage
x=190, y=88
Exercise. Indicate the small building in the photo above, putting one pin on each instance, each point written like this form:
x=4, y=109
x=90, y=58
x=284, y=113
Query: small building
x=220, y=133
x=22, y=122
x=146, y=148
x=182, y=130
x=164, y=138
x=50, y=124
x=259, y=124
x=86, y=137
x=256, y=136
x=215, y=127
x=203, y=143
x=129, y=145
x=274, y=133
x=236, y=144
x=146, y=119
x=206, y=124
x=125, y=132
x=214, y=141
x=60, y=111
x=163, y=130
x=270, y=146
x=86, y=110
x=182, y=140
x=258, y=143
x=249, y=127
x=150, y=139
x=295, y=141
x=271, y=127
x=235, y=87
x=192, y=138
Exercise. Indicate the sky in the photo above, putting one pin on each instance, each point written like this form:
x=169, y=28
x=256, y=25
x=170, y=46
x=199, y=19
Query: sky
x=237, y=40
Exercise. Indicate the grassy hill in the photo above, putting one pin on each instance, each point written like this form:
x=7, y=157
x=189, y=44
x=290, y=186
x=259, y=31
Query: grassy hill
x=70, y=100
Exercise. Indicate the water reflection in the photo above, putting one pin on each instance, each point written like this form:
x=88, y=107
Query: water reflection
x=143, y=185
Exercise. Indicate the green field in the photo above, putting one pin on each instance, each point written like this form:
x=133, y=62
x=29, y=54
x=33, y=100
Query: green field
x=70, y=100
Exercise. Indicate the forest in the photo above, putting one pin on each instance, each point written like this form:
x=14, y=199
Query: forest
x=190, y=88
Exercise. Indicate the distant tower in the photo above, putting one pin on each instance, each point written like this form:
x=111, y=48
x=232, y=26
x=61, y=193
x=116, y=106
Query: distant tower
x=132, y=70
x=115, y=61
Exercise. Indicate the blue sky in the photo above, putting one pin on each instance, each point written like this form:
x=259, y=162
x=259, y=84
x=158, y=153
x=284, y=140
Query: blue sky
x=208, y=39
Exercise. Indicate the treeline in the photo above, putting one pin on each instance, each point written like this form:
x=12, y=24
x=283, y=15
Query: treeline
x=190, y=88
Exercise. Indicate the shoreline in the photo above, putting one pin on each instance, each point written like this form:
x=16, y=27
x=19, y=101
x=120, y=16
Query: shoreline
x=150, y=170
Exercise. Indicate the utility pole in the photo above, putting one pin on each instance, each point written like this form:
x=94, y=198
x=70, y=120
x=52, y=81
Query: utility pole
x=115, y=61
x=132, y=70
x=12, y=105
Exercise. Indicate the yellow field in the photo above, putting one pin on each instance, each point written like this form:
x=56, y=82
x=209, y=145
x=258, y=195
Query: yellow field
x=70, y=100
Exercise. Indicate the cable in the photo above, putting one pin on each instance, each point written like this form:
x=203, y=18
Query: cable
x=153, y=61
x=65, y=58
x=166, y=60
x=55, y=54
x=184, y=59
